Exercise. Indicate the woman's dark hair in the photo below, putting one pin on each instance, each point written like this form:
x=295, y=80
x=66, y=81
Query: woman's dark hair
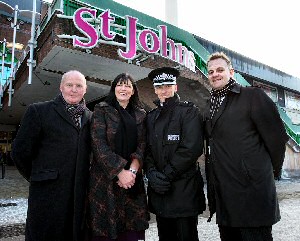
x=123, y=78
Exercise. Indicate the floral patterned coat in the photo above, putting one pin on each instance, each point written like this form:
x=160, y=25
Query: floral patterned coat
x=112, y=209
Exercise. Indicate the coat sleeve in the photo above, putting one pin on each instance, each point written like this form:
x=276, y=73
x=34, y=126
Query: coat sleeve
x=103, y=156
x=191, y=144
x=149, y=160
x=25, y=144
x=140, y=150
x=267, y=120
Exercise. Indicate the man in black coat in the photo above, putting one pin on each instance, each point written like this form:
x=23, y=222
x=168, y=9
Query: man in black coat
x=174, y=143
x=51, y=150
x=246, y=139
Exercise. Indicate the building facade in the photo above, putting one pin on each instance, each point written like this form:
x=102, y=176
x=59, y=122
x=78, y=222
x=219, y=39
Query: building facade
x=102, y=39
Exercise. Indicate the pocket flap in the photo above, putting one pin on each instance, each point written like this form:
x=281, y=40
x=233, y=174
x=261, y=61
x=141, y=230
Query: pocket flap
x=44, y=175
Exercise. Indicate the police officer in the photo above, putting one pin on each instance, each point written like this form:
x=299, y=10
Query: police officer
x=174, y=143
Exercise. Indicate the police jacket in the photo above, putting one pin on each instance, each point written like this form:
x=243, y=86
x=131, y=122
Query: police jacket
x=174, y=143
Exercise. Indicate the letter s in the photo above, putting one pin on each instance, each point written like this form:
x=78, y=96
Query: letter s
x=86, y=28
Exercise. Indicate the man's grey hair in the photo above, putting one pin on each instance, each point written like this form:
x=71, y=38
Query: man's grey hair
x=70, y=73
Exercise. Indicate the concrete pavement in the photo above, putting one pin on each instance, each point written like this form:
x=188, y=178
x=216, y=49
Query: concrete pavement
x=13, y=206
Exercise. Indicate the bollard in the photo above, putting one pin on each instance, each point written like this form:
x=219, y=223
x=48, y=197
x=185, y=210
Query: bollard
x=3, y=170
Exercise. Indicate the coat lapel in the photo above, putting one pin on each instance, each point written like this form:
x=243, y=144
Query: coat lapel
x=236, y=89
x=139, y=116
x=85, y=118
x=206, y=118
x=60, y=109
x=219, y=112
x=112, y=113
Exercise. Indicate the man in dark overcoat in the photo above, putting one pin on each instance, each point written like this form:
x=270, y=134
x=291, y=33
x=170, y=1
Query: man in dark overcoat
x=174, y=143
x=246, y=139
x=51, y=150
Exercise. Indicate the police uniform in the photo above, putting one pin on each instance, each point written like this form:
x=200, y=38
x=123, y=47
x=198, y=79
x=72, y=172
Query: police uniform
x=174, y=143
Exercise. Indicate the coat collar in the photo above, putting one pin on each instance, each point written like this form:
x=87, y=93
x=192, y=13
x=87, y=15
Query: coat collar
x=115, y=116
x=236, y=89
x=85, y=117
x=61, y=110
x=169, y=101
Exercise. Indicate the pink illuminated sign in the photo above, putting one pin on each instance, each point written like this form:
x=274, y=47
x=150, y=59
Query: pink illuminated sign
x=98, y=28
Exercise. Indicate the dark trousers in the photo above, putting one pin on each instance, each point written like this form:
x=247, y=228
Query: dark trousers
x=246, y=234
x=177, y=229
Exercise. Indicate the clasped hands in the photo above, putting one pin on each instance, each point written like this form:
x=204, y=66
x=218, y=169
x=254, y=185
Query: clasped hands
x=127, y=177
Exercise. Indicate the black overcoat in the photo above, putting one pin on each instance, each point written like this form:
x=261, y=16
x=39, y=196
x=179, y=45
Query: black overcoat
x=247, y=142
x=53, y=155
x=174, y=143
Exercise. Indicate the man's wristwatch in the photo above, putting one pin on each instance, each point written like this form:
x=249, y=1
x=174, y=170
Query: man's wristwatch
x=133, y=171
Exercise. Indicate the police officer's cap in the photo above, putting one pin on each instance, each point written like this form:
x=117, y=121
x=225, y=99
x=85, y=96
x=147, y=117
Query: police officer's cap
x=164, y=76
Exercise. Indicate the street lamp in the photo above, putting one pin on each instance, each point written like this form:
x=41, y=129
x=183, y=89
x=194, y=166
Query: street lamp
x=18, y=46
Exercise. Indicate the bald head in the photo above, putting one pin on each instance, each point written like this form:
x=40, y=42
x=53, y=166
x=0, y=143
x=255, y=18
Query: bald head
x=72, y=74
x=73, y=86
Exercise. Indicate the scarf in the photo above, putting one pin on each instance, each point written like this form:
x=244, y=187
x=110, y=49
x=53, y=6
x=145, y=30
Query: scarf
x=217, y=97
x=75, y=110
x=126, y=135
x=126, y=142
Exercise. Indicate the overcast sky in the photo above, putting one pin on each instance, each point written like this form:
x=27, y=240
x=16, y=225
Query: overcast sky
x=264, y=30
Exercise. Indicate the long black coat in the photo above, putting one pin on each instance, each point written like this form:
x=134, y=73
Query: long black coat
x=247, y=142
x=174, y=143
x=53, y=155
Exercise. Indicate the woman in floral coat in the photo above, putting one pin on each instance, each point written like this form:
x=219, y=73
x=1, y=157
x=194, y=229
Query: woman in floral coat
x=117, y=198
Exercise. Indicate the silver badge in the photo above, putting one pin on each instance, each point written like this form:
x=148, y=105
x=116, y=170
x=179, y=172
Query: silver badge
x=173, y=138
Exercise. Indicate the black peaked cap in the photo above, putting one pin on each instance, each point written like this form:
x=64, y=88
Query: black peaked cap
x=164, y=75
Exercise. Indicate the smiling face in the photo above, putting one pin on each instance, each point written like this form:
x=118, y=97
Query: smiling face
x=123, y=91
x=73, y=87
x=165, y=91
x=219, y=73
